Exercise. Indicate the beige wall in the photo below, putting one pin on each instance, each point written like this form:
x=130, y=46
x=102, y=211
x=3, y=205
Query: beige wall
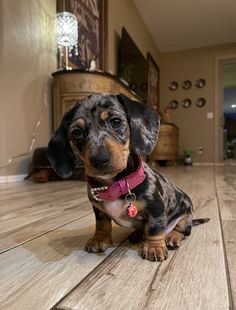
x=124, y=13
x=195, y=129
x=27, y=58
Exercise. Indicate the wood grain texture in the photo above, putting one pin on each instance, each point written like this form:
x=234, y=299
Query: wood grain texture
x=180, y=175
x=38, y=273
x=229, y=230
x=225, y=178
x=44, y=227
x=31, y=210
x=192, y=278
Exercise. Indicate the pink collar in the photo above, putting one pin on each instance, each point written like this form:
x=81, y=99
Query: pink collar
x=118, y=188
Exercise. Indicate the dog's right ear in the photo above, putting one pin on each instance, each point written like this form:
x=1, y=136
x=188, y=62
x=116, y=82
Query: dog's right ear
x=59, y=152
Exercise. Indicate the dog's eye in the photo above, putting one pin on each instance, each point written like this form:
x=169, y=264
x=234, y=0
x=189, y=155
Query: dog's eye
x=76, y=133
x=115, y=122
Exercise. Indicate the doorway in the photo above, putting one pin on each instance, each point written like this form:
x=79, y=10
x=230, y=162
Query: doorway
x=229, y=84
x=225, y=113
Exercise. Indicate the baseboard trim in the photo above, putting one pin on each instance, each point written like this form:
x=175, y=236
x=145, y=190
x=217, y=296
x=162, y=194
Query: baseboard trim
x=12, y=178
x=215, y=164
x=207, y=164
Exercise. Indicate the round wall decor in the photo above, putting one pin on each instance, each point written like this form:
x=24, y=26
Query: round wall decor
x=200, y=102
x=174, y=104
x=186, y=103
x=173, y=85
x=200, y=83
x=186, y=84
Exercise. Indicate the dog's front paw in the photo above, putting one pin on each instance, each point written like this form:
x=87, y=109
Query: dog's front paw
x=95, y=245
x=154, y=252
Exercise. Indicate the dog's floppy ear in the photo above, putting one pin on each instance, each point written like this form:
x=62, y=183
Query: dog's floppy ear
x=59, y=152
x=144, y=125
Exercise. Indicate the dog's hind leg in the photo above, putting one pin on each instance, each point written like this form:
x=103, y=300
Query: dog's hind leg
x=181, y=230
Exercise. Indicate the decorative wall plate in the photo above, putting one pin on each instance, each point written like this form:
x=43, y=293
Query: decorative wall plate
x=186, y=103
x=200, y=102
x=173, y=85
x=174, y=104
x=200, y=83
x=186, y=84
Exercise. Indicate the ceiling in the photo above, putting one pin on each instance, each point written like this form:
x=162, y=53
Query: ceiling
x=184, y=24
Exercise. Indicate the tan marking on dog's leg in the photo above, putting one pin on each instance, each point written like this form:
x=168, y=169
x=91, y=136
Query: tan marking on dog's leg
x=182, y=229
x=154, y=248
x=184, y=223
x=102, y=237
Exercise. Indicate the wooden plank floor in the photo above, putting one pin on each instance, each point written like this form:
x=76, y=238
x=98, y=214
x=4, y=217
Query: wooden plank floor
x=43, y=265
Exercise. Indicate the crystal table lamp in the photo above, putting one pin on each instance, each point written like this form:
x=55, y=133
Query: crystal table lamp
x=66, y=36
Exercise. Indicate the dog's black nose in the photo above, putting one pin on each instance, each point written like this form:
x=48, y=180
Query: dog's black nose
x=100, y=160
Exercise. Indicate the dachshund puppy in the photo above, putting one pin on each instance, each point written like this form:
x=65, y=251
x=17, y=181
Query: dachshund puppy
x=111, y=133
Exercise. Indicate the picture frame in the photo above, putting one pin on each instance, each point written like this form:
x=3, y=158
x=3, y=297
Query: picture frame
x=153, y=95
x=92, y=32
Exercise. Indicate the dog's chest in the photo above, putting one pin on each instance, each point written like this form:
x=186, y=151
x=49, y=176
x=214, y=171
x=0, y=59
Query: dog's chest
x=116, y=209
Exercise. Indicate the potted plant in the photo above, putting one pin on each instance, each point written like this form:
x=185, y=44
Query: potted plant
x=188, y=157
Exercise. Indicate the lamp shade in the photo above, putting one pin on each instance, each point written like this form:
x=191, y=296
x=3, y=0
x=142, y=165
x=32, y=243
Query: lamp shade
x=66, y=29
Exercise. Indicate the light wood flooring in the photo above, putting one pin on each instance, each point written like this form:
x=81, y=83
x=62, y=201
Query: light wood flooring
x=43, y=265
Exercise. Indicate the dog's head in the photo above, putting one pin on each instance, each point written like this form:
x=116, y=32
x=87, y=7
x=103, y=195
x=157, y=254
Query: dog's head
x=104, y=129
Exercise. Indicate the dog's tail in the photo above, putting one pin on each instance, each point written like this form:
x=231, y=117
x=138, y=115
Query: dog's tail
x=200, y=221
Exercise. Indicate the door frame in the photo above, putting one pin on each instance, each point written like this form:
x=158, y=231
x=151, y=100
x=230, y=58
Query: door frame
x=219, y=103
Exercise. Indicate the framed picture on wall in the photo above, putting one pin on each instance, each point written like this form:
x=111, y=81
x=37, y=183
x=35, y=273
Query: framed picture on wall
x=153, y=83
x=92, y=31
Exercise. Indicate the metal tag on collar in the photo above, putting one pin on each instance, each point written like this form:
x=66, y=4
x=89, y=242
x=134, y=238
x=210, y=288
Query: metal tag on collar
x=130, y=198
x=95, y=190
